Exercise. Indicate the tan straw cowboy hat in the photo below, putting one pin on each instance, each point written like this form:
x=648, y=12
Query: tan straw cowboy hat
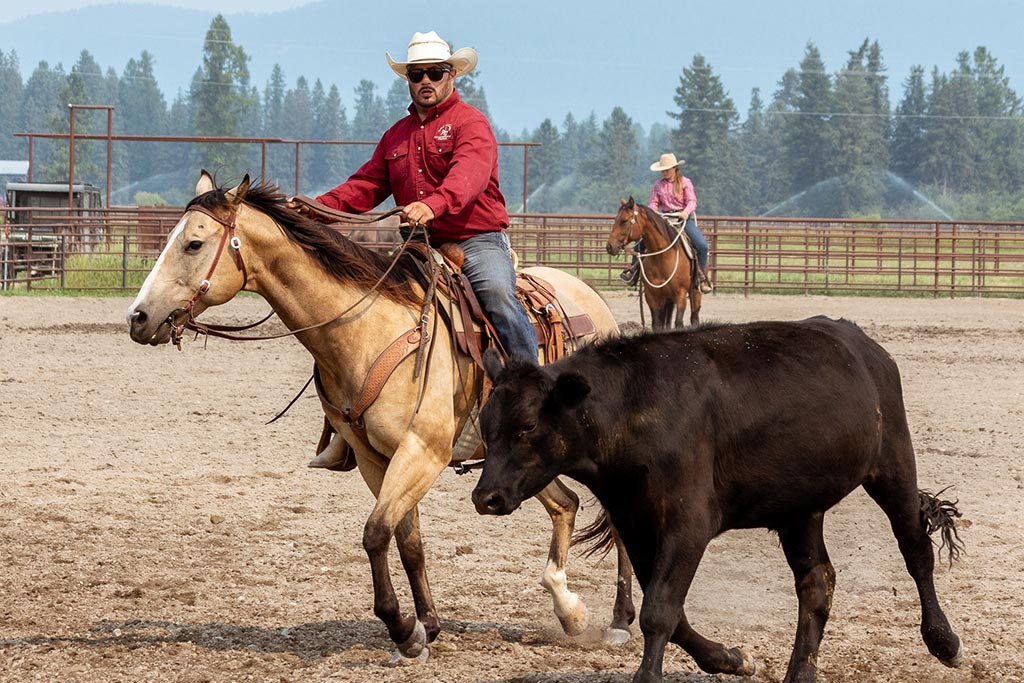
x=666, y=162
x=430, y=48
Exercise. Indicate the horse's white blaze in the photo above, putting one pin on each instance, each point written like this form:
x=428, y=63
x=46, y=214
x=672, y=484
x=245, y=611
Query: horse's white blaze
x=151, y=278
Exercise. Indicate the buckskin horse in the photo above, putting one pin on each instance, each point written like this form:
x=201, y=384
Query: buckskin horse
x=684, y=435
x=350, y=307
x=667, y=272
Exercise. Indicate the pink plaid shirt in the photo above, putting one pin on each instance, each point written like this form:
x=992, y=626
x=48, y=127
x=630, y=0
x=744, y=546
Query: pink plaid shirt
x=664, y=200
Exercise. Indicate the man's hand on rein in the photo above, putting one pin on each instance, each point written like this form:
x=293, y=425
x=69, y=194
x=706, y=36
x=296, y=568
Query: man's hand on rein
x=417, y=214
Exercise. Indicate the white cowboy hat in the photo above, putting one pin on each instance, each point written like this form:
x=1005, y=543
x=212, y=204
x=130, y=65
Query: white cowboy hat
x=430, y=48
x=666, y=162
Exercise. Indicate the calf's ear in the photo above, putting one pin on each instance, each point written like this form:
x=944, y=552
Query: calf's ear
x=492, y=364
x=569, y=391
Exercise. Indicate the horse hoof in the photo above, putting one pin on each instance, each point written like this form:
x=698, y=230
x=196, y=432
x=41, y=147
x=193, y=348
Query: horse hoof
x=957, y=660
x=414, y=650
x=749, y=665
x=616, y=637
x=575, y=623
x=398, y=659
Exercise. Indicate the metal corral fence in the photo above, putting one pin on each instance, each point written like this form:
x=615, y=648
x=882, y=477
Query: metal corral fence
x=113, y=249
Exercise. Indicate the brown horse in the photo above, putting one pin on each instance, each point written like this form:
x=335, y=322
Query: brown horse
x=668, y=274
x=309, y=273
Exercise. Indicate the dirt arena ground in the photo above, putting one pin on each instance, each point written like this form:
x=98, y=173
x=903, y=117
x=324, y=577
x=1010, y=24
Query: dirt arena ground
x=153, y=528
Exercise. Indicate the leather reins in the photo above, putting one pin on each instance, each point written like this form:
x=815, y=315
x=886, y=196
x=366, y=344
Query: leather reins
x=182, y=318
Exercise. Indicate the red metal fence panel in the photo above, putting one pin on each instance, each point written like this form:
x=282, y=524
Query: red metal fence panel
x=113, y=249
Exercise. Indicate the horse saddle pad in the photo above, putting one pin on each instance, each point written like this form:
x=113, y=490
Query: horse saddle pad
x=678, y=224
x=560, y=322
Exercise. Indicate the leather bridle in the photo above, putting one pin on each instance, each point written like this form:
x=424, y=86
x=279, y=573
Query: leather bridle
x=632, y=225
x=181, y=318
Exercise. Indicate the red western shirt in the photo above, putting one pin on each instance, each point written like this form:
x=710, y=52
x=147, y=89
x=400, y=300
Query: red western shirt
x=449, y=162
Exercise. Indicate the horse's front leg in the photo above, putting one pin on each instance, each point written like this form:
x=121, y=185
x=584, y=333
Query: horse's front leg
x=680, y=303
x=409, y=475
x=561, y=505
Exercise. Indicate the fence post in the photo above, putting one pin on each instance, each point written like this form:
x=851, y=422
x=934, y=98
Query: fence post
x=952, y=261
x=124, y=261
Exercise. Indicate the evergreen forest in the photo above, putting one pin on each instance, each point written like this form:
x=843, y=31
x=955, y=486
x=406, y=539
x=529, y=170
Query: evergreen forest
x=830, y=141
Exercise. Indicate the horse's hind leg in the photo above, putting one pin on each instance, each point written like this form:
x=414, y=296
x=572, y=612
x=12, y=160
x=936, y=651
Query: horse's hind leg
x=898, y=496
x=804, y=545
x=561, y=505
x=696, y=298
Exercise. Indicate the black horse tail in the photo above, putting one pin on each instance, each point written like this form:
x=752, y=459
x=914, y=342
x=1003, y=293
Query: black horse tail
x=599, y=536
x=940, y=515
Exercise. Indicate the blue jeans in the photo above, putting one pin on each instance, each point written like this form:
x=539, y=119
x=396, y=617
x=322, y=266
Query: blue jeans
x=488, y=267
x=700, y=244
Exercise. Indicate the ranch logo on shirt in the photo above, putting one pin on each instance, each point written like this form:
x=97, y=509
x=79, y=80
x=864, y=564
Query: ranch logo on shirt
x=444, y=132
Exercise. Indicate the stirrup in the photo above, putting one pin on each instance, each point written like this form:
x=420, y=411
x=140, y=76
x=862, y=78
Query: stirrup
x=630, y=275
x=705, y=285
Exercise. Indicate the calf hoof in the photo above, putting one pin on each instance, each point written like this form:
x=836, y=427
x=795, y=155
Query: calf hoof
x=575, y=622
x=616, y=637
x=957, y=660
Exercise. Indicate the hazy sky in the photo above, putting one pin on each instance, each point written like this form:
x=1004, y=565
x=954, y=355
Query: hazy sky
x=547, y=59
x=17, y=10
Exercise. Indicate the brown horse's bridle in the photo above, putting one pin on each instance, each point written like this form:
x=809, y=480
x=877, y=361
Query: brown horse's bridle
x=632, y=226
x=182, y=317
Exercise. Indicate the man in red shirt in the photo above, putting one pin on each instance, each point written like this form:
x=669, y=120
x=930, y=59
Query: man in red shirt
x=441, y=163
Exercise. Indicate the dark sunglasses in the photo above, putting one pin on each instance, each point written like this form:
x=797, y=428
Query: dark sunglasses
x=434, y=73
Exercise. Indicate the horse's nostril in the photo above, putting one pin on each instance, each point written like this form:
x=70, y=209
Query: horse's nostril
x=139, y=317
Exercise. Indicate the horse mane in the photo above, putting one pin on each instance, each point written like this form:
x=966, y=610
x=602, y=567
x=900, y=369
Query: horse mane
x=343, y=258
x=659, y=222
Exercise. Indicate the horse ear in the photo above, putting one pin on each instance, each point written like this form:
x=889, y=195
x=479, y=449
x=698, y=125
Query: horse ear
x=622, y=200
x=205, y=183
x=237, y=194
x=630, y=204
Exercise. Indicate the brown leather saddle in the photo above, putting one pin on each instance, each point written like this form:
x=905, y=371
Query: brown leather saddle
x=559, y=324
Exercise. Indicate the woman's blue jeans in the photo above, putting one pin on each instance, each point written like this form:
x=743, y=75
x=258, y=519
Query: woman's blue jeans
x=697, y=239
x=488, y=267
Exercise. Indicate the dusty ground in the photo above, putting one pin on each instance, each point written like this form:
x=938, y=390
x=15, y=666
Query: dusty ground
x=152, y=528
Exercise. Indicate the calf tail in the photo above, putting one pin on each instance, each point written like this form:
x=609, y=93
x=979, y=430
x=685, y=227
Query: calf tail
x=940, y=515
x=598, y=535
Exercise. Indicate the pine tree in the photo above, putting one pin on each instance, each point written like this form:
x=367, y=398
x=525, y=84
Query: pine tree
x=806, y=139
x=858, y=135
x=220, y=98
x=396, y=104
x=545, y=161
x=141, y=110
x=999, y=129
x=298, y=123
x=706, y=115
x=907, y=147
x=10, y=106
x=949, y=144
x=369, y=120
